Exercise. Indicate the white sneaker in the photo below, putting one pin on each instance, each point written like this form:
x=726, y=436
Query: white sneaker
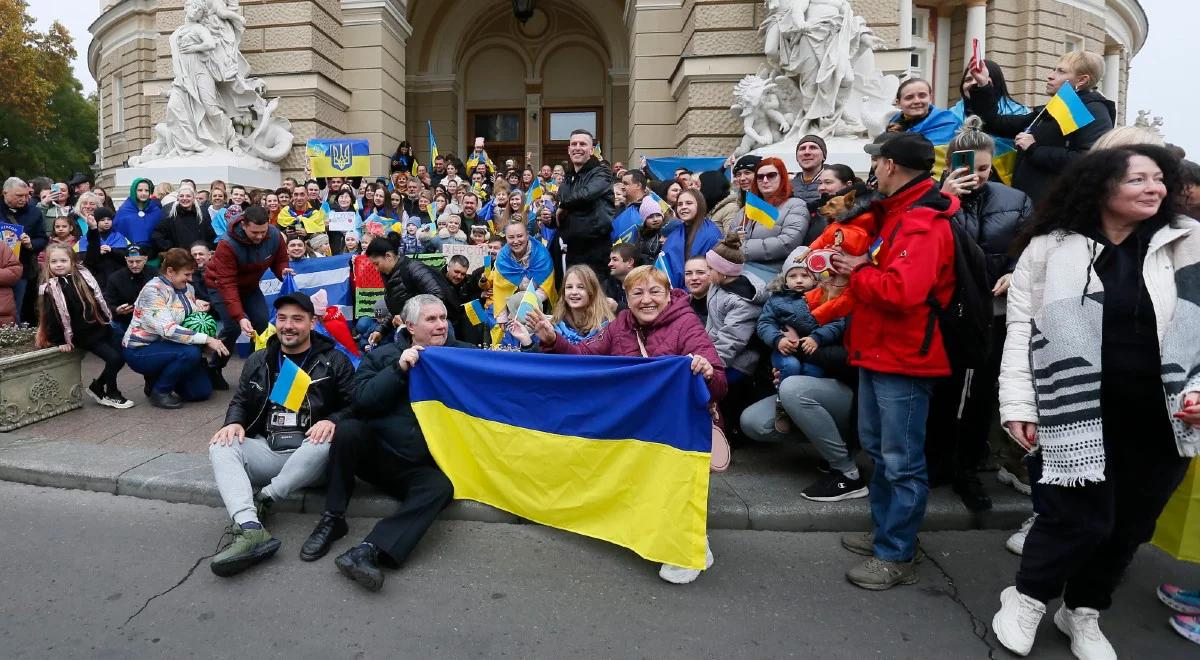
x=1017, y=621
x=680, y=575
x=1016, y=543
x=1082, y=625
x=1009, y=479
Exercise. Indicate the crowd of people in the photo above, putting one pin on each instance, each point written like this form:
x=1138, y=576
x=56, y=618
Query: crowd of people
x=898, y=314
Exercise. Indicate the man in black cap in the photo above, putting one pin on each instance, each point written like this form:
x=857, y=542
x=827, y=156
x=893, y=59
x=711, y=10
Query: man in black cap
x=270, y=445
x=811, y=153
x=123, y=286
x=78, y=184
x=896, y=342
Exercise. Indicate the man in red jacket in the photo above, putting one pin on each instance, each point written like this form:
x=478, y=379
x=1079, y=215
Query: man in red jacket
x=244, y=252
x=894, y=339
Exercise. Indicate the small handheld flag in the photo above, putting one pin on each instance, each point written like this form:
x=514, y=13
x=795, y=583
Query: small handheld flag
x=487, y=262
x=477, y=314
x=433, y=150
x=1069, y=110
x=873, y=251
x=529, y=302
x=660, y=264
x=291, y=386
x=758, y=210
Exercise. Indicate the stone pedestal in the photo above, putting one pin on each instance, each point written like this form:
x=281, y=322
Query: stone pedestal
x=228, y=167
x=38, y=385
x=846, y=151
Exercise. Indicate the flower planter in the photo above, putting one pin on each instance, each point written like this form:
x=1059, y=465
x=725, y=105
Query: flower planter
x=38, y=385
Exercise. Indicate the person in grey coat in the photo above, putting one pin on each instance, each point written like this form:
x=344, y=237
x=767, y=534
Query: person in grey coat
x=765, y=247
x=735, y=301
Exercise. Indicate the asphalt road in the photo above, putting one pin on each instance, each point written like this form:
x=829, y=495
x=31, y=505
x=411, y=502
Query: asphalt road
x=87, y=575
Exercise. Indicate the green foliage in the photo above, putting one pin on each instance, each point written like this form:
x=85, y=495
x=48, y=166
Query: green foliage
x=47, y=126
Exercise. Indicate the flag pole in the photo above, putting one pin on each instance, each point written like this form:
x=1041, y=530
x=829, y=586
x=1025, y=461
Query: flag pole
x=1035, y=119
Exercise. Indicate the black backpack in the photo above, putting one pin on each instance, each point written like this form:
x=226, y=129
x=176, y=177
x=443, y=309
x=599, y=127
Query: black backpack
x=966, y=322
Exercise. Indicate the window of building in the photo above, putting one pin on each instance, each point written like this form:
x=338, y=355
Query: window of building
x=117, y=98
x=1072, y=43
x=562, y=123
x=921, y=58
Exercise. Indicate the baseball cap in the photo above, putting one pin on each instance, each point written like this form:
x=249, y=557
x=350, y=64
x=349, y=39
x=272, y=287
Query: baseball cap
x=911, y=150
x=298, y=298
x=877, y=143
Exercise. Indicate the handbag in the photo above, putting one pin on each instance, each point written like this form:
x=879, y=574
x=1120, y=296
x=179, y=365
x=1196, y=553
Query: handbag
x=721, y=455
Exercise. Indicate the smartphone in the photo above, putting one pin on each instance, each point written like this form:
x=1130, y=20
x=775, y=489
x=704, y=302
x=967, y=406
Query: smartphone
x=960, y=159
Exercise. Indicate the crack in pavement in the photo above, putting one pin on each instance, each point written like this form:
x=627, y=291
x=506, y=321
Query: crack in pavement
x=125, y=472
x=177, y=584
x=979, y=627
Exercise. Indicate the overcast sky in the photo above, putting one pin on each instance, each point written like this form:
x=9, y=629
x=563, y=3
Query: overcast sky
x=1156, y=84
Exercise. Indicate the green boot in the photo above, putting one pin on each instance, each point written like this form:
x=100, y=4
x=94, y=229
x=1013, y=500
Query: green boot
x=249, y=547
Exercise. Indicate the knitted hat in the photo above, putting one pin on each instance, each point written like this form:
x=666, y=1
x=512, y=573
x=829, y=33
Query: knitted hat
x=795, y=259
x=318, y=242
x=649, y=207
x=747, y=162
x=726, y=257
x=815, y=139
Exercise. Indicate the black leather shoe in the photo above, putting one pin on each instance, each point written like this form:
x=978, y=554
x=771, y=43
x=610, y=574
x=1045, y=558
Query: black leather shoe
x=329, y=529
x=970, y=490
x=361, y=564
x=166, y=400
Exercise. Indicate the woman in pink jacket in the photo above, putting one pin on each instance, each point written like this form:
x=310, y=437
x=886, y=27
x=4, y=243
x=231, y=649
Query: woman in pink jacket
x=10, y=274
x=659, y=322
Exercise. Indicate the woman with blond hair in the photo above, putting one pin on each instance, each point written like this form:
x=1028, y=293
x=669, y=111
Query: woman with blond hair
x=582, y=310
x=1043, y=149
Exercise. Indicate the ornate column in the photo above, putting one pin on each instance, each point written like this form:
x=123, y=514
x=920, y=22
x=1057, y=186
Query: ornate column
x=1111, y=83
x=941, y=58
x=976, y=28
x=906, y=24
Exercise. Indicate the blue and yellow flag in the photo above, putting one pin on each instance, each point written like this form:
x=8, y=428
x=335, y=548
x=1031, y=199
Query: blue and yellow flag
x=1069, y=110
x=477, y=314
x=529, y=302
x=660, y=264
x=758, y=210
x=512, y=274
x=535, y=192
x=291, y=386
x=433, y=150
x=339, y=157
x=628, y=463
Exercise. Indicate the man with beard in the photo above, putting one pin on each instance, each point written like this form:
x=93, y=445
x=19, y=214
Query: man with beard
x=264, y=444
x=810, y=155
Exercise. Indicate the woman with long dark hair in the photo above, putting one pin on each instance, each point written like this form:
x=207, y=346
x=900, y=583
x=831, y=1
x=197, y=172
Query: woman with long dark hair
x=1100, y=382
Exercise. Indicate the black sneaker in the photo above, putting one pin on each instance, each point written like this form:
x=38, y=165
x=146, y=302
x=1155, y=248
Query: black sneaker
x=96, y=391
x=116, y=399
x=835, y=488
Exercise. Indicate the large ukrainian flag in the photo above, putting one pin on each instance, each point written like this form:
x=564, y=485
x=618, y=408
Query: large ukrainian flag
x=615, y=448
x=339, y=157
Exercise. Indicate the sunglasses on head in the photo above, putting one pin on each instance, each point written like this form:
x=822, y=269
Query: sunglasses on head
x=766, y=176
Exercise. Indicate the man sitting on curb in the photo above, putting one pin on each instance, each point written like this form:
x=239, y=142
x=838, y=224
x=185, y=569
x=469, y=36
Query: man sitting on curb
x=265, y=444
x=383, y=445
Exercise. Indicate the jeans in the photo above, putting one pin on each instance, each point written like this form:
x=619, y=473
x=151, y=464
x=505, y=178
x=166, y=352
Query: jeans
x=790, y=365
x=892, y=411
x=820, y=409
x=254, y=306
x=242, y=465
x=172, y=367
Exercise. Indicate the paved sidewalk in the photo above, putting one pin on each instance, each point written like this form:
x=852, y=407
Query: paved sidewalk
x=159, y=454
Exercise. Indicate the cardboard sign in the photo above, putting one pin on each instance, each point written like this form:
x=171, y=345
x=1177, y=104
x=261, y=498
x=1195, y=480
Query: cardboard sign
x=474, y=254
x=341, y=220
x=11, y=235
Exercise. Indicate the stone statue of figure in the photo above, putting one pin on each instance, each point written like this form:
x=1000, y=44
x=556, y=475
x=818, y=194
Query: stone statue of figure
x=821, y=43
x=213, y=105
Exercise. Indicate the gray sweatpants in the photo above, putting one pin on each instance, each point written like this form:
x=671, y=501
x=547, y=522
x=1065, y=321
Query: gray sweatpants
x=240, y=467
x=820, y=413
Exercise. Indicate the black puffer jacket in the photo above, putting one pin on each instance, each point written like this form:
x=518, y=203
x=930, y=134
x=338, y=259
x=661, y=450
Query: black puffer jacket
x=411, y=277
x=586, y=200
x=993, y=216
x=381, y=399
x=181, y=227
x=1038, y=166
x=329, y=397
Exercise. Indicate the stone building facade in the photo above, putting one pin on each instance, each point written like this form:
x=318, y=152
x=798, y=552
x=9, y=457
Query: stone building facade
x=651, y=77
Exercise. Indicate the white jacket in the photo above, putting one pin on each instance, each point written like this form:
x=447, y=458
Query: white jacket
x=1054, y=327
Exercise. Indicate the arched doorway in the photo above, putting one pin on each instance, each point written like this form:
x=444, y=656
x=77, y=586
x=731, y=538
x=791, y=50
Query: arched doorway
x=475, y=71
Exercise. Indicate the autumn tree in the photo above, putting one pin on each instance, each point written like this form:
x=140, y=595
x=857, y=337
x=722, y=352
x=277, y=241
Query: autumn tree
x=47, y=126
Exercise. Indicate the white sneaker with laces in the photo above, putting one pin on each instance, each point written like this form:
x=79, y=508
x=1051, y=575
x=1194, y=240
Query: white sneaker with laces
x=1082, y=625
x=1016, y=543
x=1017, y=621
x=680, y=575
